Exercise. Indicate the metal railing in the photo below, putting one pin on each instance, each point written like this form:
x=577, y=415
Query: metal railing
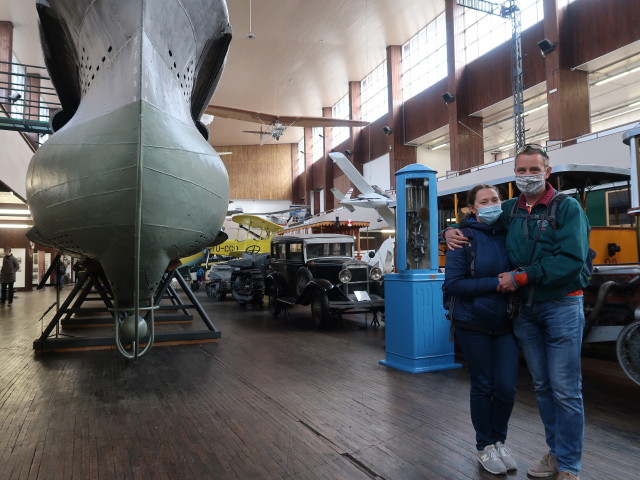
x=27, y=99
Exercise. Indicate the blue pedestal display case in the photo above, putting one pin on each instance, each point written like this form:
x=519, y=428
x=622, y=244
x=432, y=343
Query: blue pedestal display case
x=417, y=331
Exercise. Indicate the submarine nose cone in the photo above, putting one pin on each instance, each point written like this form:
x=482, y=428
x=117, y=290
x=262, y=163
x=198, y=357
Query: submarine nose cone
x=128, y=329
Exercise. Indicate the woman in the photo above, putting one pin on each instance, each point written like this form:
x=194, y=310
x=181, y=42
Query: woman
x=482, y=326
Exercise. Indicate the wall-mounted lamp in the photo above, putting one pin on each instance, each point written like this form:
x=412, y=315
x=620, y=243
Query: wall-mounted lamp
x=546, y=46
x=348, y=153
x=387, y=130
x=15, y=97
x=448, y=98
x=321, y=135
x=302, y=152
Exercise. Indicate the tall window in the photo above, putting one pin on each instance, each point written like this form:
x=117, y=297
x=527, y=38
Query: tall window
x=317, y=143
x=18, y=80
x=373, y=94
x=340, y=110
x=301, y=155
x=483, y=31
x=43, y=116
x=424, y=58
x=531, y=12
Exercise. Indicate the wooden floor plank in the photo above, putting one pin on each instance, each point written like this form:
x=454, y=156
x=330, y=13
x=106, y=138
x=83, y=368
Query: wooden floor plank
x=274, y=399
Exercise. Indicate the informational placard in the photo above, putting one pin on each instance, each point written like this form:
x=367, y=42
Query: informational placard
x=21, y=255
x=47, y=262
x=35, y=273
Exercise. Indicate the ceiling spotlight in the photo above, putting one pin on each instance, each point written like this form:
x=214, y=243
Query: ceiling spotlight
x=546, y=46
x=448, y=98
x=348, y=153
x=15, y=97
x=387, y=130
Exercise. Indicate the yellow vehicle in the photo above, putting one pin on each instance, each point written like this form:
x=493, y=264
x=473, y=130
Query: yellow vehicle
x=253, y=235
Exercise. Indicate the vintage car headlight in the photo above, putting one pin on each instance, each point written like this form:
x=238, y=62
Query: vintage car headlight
x=375, y=274
x=344, y=276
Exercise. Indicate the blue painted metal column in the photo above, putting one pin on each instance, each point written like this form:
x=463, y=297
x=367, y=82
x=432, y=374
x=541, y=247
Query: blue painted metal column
x=417, y=331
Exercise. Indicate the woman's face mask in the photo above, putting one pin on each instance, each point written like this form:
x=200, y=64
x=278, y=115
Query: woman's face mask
x=489, y=214
x=487, y=207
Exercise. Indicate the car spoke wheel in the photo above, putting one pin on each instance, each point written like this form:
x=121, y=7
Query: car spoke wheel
x=275, y=307
x=320, y=309
x=303, y=276
x=219, y=293
x=628, y=350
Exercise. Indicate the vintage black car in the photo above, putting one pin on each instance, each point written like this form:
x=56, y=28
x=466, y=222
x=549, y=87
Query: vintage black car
x=319, y=269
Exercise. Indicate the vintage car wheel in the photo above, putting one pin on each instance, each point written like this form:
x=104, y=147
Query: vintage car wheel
x=219, y=293
x=303, y=276
x=275, y=307
x=320, y=309
x=210, y=290
x=628, y=350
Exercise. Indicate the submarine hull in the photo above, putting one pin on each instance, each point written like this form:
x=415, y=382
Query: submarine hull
x=129, y=179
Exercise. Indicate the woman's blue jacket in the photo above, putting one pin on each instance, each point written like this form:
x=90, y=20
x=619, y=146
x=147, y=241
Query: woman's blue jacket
x=477, y=302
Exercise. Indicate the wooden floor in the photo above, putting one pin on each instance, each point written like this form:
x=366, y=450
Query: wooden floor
x=273, y=399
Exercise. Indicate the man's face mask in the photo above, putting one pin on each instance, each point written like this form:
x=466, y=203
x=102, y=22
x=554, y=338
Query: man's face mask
x=531, y=184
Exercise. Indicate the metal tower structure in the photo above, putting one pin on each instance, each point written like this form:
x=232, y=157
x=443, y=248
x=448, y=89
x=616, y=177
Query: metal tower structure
x=509, y=9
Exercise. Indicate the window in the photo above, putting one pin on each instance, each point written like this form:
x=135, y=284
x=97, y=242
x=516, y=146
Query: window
x=43, y=116
x=279, y=250
x=317, y=143
x=18, y=73
x=373, y=94
x=484, y=31
x=295, y=252
x=424, y=58
x=531, y=12
x=317, y=250
x=301, y=165
x=618, y=202
x=340, y=110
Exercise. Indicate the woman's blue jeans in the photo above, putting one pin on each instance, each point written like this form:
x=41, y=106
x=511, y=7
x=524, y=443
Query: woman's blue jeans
x=493, y=368
x=550, y=335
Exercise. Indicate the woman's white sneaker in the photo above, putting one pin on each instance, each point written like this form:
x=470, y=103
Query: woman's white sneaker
x=489, y=459
x=504, y=453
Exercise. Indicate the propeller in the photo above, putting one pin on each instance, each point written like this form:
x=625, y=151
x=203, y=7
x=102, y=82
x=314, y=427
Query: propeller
x=262, y=133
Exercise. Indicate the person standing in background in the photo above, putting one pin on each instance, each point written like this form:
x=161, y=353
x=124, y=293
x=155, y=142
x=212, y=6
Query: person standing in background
x=10, y=265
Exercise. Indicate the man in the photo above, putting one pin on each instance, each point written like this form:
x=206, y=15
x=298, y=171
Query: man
x=10, y=266
x=549, y=256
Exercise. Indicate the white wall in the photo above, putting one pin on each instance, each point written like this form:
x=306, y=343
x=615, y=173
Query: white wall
x=14, y=161
x=378, y=172
x=439, y=160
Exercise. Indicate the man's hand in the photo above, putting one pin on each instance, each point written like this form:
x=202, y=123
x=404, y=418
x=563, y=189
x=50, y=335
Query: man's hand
x=505, y=283
x=455, y=239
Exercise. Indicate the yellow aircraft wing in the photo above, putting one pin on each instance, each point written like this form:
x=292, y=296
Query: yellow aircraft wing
x=258, y=239
x=253, y=221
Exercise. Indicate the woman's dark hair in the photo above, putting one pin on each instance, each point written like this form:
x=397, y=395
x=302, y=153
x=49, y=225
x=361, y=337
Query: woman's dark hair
x=471, y=196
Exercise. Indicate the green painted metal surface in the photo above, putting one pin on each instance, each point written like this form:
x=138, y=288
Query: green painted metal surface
x=82, y=190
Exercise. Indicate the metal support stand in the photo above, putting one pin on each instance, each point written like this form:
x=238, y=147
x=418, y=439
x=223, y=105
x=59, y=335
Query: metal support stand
x=79, y=294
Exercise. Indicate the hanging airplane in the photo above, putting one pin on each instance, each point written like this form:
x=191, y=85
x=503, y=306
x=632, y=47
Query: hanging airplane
x=277, y=124
x=371, y=196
